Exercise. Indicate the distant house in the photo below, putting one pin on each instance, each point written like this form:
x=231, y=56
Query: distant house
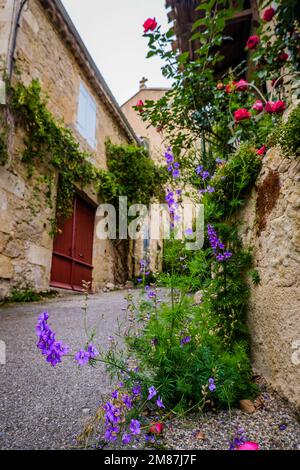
x=39, y=38
x=153, y=139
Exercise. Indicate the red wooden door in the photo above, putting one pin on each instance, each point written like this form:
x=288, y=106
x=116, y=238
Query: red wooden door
x=73, y=248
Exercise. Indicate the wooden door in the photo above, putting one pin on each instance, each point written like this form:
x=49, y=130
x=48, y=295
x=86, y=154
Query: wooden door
x=73, y=248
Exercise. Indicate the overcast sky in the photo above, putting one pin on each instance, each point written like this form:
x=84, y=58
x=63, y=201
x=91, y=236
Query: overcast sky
x=112, y=31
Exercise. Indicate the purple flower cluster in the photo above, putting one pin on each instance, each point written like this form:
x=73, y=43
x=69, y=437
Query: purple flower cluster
x=52, y=349
x=173, y=167
x=185, y=340
x=205, y=175
x=83, y=357
x=211, y=384
x=150, y=292
x=218, y=247
x=144, y=270
x=238, y=439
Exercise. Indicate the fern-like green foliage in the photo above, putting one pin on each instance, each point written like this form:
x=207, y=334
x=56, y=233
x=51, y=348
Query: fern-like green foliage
x=181, y=371
x=232, y=183
x=287, y=135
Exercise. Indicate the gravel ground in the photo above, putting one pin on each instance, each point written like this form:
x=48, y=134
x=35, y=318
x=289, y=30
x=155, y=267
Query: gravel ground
x=274, y=426
x=43, y=407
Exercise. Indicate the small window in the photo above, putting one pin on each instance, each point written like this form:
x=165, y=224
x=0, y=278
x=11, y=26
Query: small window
x=86, y=116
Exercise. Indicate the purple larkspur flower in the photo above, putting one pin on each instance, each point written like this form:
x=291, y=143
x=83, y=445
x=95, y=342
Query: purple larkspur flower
x=176, y=174
x=149, y=438
x=185, y=340
x=170, y=168
x=127, y=401
x=211, y=384
x=53, y=350
x=210, y=189
x=115, y=394
x=82, y=357
x=111, y=433
x=199, y=169
x=139, y=280
x=217, y=245
x=126, y=438
x=159, y=403
x=219, y=160
x=137, y=390
x=92, y=351
x=176, y=165
x=169, y=157
x=135, y=427
x=238, y=439
x=112, y=414
x=205, y=174
x=189, y=231
x=151, y=392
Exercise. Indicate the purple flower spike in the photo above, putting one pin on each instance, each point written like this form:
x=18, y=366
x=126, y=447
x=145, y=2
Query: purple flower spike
x=159, y=403
x=211, y=384
x=152, y=392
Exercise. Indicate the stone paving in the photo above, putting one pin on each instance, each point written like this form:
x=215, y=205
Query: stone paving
x=43, y=407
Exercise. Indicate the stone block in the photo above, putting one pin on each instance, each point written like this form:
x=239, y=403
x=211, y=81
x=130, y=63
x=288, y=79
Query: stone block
x=6, y=267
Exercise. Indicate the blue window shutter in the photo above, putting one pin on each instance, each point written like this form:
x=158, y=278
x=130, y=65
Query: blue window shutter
x=91, y=121
x=86, y=116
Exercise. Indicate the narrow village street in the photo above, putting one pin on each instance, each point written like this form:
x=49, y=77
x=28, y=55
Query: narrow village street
x=40, y=406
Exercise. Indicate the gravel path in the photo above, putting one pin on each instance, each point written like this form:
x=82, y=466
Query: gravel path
x=274, y=425
x=43, y=407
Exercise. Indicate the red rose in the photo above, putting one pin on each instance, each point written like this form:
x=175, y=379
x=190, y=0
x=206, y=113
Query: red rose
x=241, y=114
x=258, y=106
x=262, y=150
x=278, y=106
x=156, y=428
x=241, y=85
x=283, y=57
x=268, y=14
x=150, y=25
x=140, y=106
x=270, y=107
x=249, y=445
x=252, y=42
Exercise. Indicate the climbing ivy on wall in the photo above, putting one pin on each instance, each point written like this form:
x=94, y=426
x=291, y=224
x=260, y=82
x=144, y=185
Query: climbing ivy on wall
x=130, y=170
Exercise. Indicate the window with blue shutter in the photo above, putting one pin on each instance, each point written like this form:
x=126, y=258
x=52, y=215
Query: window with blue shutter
x=86, y=116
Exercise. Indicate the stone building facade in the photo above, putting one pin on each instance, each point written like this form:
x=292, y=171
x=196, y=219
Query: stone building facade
x=38, y=39
x=271, y=224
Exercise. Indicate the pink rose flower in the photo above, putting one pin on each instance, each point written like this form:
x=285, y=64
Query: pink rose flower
x=241, y=114
x=258, y=106
x=249, y=445
x=278, y=106
x=140, y=106
x=252, y=42
x=268, y=14
x=262, y=150
x=275, y=107
x=150, y=25
x=241, y=85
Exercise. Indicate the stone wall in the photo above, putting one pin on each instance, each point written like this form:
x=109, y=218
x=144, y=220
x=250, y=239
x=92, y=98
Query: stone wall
x=271, y=224
x=25, y=243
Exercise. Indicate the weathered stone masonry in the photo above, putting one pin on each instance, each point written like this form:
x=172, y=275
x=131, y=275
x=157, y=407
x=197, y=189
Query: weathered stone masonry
x=271, y=224
x=48, y=48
